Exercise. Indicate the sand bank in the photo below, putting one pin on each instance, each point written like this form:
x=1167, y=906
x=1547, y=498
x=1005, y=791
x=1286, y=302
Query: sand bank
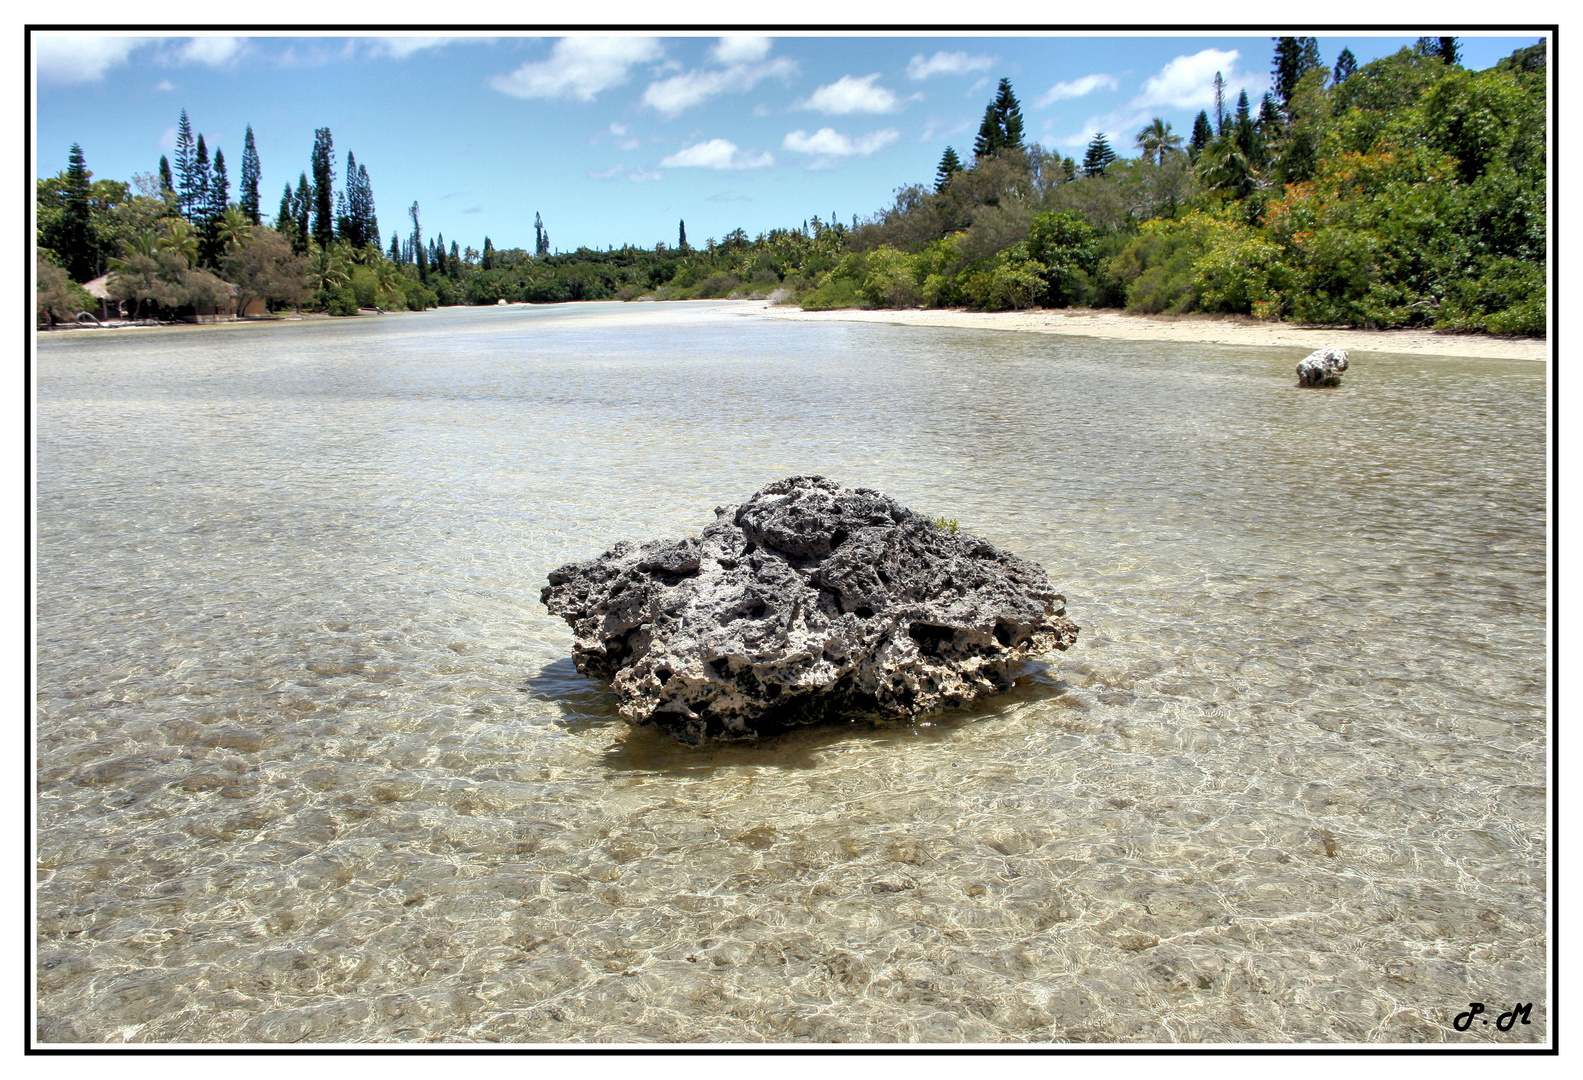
x=1204, y=329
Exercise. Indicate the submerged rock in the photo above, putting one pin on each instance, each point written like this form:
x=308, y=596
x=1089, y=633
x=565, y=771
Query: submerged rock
x=806, y=602
x=1322, y=367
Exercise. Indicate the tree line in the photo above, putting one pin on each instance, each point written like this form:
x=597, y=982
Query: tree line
x=174, y=241
x=1405, y=192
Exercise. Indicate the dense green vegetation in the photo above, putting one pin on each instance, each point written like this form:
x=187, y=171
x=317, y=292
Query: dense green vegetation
x=1406, y=192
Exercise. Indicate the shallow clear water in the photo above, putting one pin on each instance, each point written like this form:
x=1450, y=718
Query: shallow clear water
x=314, y=764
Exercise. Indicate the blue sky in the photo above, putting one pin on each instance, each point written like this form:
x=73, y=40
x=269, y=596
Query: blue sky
x=613, y=139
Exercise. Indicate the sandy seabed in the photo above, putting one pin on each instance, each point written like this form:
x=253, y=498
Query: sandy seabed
x=1085, y=322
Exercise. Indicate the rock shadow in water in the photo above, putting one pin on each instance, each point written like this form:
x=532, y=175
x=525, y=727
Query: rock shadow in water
x=584, y=702
x=649, y=750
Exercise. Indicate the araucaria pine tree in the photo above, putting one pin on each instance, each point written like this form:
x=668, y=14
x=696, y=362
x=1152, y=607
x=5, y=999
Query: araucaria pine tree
x=323, y=162
x=1220, y=104
x=681, y=236
x=284, y=224
x=214, y=212
x=247, y=189
x=541, y=238
x=365, y=203
x=1242, y=129
x=75, y=243
x=166, y=184
x=987, y=142
x=1346, y=64
x=1098, y=157
x=200, y=186
x=302, y=213
x=1203, y=133
x=1008, y=117
x=1268, y=126
x=950, y=165
x=186, y=175
x=343, y=218
x=1294, y=58
x=420, y=256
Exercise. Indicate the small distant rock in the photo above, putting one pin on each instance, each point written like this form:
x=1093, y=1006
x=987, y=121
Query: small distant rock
x=1322, y=367
x=807, y=602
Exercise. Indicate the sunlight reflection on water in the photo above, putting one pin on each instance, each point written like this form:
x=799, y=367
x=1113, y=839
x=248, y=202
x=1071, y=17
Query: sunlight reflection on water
x=313, y=763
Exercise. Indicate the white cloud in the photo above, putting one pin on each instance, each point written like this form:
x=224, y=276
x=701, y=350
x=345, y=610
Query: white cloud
x=210, y=51
x=741, y=50
x=165, y=85
x=829, y=143
x=1188, y=82
x=643, y=176
x=848, y=95
x=944, y=63
x=674, y=96
x=1118, y=129
x=606, y=174
x=579, y=67
x=167, y=139
x=1077, y=88
x=399, y=48
x=74, y=58
x=717, y=154
x=623, y=136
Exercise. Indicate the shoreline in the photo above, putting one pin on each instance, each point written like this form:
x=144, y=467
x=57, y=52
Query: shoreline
x=1110, y=324
x=1196, y=329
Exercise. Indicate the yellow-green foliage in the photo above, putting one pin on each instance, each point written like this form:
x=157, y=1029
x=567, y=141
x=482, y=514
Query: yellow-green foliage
x=1010, y=280
x=892, y=279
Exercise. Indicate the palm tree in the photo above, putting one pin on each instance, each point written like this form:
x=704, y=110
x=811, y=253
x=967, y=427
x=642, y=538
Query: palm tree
x=326, y=270
x=236, y=228
x=1226, y=166
x=180, y=238
x=143, y=243
x=1156, y=141
x=387, y=276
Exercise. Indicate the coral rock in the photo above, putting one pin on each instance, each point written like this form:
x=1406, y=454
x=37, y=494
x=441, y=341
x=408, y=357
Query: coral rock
x=808, y=602
x=1322, y=367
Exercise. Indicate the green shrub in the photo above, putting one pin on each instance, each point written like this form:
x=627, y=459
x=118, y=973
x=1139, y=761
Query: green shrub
x=419, y=296
x=1506, y=297
x=365, y=285
x=834, y=292
x=446, y=291
x=715, y=286
x=1010, y=280
x=1157, y=266
x=1240, y=272
x=891, y=280
x=1067, y=249
x=339, y=301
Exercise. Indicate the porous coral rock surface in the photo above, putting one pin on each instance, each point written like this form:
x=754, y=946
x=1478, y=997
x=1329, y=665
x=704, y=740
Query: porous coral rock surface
x=1322, y=367
x=807, y=602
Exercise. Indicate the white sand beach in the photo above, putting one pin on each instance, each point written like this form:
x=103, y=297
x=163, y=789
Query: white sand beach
x=1208, y=329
